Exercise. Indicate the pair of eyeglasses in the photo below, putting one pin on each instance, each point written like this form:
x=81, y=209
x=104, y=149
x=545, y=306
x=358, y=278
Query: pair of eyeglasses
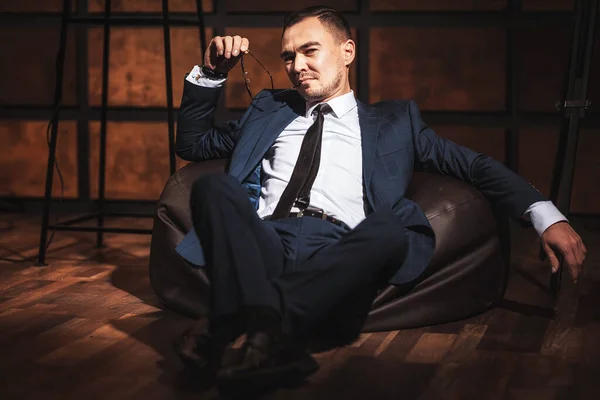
x=245, y=73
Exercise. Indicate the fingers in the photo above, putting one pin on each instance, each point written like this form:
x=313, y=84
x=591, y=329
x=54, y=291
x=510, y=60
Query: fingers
x=237, y=43
x=551, y=257
x=232, y=46
x=561, y=240
x=572, y=264
x=577, y=250
x=226, y=47
x=581, y=249
x=580, y=254
x=213, y=52
x=575, y=254
x=228, y=42
x=219, y=45
x=224, y=52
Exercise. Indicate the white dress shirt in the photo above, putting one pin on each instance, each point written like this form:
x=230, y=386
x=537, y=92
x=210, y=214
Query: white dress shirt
x=338, y=186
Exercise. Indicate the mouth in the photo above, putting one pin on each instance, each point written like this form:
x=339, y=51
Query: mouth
x=304, y=80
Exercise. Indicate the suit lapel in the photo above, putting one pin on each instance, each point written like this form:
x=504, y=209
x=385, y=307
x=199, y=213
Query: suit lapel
x=369, y=131
x=254, y=144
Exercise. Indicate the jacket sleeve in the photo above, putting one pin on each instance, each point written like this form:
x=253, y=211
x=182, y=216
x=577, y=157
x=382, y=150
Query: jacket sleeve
x=198, y=138
x=501, y=186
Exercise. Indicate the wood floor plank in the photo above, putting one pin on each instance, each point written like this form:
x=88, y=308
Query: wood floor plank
x=462, y=349
x=431, y=348
x=403, y=343
x=385, y=343
x=89, y=326
x=86, y=347
x=27, y=348
x=499, y=331
x=484, y=376
x=31, y=297
x=30, y=321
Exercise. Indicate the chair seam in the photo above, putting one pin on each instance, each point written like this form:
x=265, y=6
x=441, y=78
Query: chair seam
x=181, y=186
x=455, y=206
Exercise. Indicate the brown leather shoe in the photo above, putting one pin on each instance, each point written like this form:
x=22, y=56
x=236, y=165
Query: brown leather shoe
x=269, y=362
x=198, y=351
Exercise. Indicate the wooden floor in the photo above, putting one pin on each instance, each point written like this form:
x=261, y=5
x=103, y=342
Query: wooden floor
x=88, y=326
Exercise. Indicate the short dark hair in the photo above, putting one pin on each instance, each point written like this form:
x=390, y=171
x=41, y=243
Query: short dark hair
x=330, y=18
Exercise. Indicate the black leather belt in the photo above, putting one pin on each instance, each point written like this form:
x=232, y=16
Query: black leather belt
x=320, y=215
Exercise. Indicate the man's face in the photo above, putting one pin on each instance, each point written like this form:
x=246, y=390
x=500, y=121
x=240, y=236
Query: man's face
x=314, y=59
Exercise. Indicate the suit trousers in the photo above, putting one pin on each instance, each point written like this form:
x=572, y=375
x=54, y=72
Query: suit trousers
x=307, y=269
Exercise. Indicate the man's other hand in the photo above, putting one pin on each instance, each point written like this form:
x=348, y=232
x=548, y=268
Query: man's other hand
x=561, y=240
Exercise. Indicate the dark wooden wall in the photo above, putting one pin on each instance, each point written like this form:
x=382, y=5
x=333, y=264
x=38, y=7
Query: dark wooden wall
x=486, y=74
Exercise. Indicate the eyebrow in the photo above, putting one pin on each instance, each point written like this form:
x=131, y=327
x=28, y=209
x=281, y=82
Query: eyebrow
x=303, y=47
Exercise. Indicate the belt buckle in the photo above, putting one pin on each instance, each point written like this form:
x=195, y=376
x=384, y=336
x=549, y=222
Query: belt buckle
x=317, y=211
x=302, y=203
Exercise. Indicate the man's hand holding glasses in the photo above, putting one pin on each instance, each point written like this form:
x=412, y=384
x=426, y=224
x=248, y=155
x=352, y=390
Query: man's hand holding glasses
x=222, y=55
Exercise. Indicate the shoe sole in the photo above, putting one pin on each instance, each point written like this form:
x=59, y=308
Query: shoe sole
x=262, y=380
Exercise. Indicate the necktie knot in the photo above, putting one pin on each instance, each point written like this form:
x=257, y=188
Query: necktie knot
x=322, y=108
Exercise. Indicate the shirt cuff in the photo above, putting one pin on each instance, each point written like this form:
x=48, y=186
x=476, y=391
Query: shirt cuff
x=542, y=214
x=197, y=78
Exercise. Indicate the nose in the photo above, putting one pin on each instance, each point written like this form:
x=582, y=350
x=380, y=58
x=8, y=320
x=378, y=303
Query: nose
x=299, y=65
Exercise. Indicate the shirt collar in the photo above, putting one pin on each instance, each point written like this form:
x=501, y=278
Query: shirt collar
x=340, y=105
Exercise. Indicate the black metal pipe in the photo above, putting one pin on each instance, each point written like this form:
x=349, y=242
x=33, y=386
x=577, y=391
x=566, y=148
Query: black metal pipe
x=513, y=66
x=129, y=214
x=201, y=27
x=429, y=19
x=574, y=107
x=60, y=64
x=363, y=62
x=103, y=115
x=169, y=81
x=76, y=220
x=83, y=123
x=104, y=229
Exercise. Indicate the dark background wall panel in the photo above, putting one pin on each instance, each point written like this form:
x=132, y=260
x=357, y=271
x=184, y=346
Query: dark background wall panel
x=265, y=44
x=489, y=141
x=537, y=149
x=545, y=53
x=536, y=162
x=137, y=64
x=28, y=65
x=137, y=160
x=24, y=155
x=594, y=84
x=278, y=5
x=443, y=69
x=548, y=5
x=456, y=5
x=33, y=5
x=149, y=5
x=586, y=184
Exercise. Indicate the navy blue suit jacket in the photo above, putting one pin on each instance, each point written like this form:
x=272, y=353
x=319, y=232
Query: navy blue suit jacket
x=395, y=143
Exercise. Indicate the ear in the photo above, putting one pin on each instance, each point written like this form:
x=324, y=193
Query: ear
x=349, y=51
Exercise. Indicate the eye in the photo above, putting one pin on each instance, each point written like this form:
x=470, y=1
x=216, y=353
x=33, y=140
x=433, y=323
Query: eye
x=310, y=51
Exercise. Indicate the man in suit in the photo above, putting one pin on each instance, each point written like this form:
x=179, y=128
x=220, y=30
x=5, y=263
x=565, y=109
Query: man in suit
x=311, y=212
